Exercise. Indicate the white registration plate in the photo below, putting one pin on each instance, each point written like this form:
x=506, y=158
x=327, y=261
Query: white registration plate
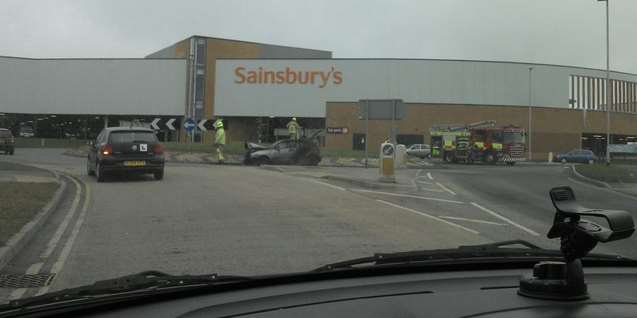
x=135, y=163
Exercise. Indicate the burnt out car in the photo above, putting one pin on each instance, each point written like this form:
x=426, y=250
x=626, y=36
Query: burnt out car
x=306, y=151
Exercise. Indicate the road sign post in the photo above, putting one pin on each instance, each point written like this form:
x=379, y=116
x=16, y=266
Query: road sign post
x=189, y=126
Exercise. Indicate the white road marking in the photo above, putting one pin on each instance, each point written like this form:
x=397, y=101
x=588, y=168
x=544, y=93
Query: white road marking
x=429, y=176
x=52, y=244
x=32, y=270
x=445, y=188
x=66, y=250
x=413, y=182
x=521, y=227
x=603, y=189
x=329, y=185
x=430, y=216
x=469, y=220
x=407, y=196
x=431, y=190
x=419, y=180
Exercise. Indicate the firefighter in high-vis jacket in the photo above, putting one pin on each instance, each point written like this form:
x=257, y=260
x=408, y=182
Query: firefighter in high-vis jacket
x=294, y=129
x=220, y=139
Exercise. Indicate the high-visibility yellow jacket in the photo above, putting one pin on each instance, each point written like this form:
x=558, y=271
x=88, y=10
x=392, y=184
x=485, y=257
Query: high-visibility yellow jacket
x=220, y=136
x=293, y=129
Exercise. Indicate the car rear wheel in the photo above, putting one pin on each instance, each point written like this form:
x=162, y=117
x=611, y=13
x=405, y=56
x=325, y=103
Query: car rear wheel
x=261, y=161
x=89, y=171
x=314, y=160
x=99, y=172
x=12, y=151
x=159, y=174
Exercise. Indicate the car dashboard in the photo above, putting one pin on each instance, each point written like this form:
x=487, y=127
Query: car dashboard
x=484, y=293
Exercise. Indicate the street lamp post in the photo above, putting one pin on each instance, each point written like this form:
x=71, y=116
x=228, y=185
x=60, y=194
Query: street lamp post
x=366, y=133
x=530, y=112
x=608, y=86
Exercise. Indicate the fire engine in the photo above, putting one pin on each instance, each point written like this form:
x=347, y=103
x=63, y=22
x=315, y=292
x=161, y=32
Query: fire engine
x=478, y=142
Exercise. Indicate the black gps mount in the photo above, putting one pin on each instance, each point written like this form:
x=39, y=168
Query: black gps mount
x=565, y=280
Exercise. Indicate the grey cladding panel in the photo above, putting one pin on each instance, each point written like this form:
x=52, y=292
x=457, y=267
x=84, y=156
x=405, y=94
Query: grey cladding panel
x=110, y=86
x=382, y=109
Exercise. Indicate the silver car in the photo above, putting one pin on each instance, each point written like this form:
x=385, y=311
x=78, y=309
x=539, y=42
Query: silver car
x=419, y=150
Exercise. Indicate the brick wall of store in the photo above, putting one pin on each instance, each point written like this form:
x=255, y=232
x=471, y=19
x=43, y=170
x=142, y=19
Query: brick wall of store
x=554, y=129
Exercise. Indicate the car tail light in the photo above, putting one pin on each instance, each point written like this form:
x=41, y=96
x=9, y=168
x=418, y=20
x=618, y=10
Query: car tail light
x=158, y=149
x=106, y=150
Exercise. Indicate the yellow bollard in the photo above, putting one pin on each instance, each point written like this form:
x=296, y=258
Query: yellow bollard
x=386, y=162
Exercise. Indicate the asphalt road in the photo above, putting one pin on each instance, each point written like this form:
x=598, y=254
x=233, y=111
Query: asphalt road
x=210, y=218
x=502, y=203
x=247, y=220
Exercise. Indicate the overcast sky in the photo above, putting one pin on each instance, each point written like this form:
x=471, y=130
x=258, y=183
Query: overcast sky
x=569, y=32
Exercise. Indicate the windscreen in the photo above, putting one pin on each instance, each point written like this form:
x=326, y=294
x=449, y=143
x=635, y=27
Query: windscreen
x=119, y=137
x=513, y=137
x=271, y=136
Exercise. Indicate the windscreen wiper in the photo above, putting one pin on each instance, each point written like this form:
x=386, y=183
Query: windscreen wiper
x=144, y=282
x=491, y=252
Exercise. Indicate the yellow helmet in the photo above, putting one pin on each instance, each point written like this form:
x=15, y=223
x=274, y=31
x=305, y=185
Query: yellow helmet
x=294, y=118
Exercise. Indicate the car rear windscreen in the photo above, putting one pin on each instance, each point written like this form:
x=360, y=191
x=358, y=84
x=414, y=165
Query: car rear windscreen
x=118, y=137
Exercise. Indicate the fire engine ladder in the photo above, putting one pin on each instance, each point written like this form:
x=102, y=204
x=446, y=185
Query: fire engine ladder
x=458, y=127
x=481, y=124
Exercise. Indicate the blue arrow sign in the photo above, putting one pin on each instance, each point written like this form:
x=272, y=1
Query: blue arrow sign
x=190, y=124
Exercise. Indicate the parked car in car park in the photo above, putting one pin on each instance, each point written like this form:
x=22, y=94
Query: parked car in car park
x=134, y=150
x=576, y=155
x=419, y=150
x=26, y=132
x=7, y=142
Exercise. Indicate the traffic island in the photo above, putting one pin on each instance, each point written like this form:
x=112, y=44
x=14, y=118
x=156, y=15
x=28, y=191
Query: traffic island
x=620, y=178
x=27, y=196
x=609, y=173
x=19, y=203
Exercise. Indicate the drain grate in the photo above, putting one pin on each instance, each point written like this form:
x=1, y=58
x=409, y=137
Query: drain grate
x=25, y=280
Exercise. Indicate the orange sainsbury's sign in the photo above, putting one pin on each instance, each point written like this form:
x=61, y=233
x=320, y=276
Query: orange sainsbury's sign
x=288, y=76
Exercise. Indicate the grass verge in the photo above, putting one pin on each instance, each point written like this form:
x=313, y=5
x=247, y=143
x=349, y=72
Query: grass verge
x=345, y=153
x=19, y=203
x=612, y=173
x=234, y=148
x=48, y=143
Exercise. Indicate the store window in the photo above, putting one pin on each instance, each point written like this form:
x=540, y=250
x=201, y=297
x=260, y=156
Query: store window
x=358, y=142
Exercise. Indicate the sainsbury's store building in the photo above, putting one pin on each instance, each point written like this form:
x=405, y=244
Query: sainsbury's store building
x=257, y=87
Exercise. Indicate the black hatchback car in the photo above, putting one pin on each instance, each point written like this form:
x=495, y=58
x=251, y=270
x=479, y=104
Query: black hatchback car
x=7, y=142
x=127, y=149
